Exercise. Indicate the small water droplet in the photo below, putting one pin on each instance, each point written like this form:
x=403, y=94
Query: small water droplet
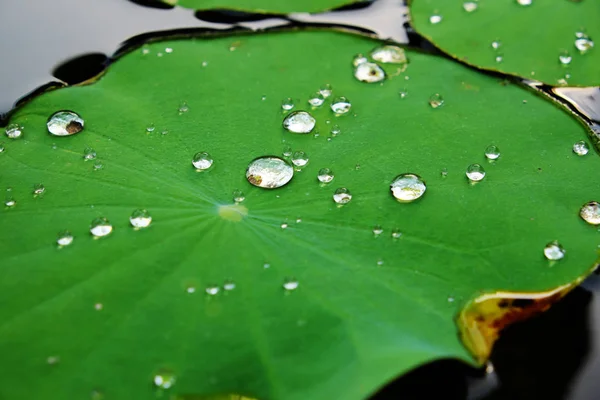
x=554, y=251
x=335, y=130
x=444, y=172
x=52, y=360
x=298, y=220
x=435, y=18
x=475, y=173
x=98, y=306
x=190, y=289
x=290, y=284
x=164, y=379
x=168, y=50
x=359, y=59
x=212, y=290
x=369, y=72
x=269, y=172
x=145, y=50
x=492, y=152
x=10, y=201
x=326, y=90
x=64, y=238
x=287, y=104
x=396, y=234
x=38, y=189
x=89, y=154
x=389, y=54
x=499, y=58
x=100, y=227
x=379, y=262
x=590, y=213
x=183, y=108
x=204, y=63
x=159, y=54
x=97, y=395
x=140, y=218
x=316, y=99
x=266, y=265
x=583, y=42
x=325, y=175
x=14, y=131
x=202, y=161
x=299, y=159
x=150, y=128
x=496, y=44
x=408, y=187
x=1, y=147
x=581, y=148
x=229, y=285
x=403, y=93
x=450, y=299
x=436, y=100
x=565, y=58
x=377, y=230
x=284, y=225
x=65, y=123
x=340, y=105
x=98, y=165
x=525, y=2
x=238, y=196
x=342, y=196
x=287, y=151
x=299, y=122
x=470, y=6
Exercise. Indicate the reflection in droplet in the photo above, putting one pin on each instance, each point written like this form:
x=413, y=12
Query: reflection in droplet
x=299, y=122
x=316, y=99
x=581, y=148
x=287, y=104
x=341, y=105
x=38, y=189
x=342, y=196
x=436, y=100
x=554, y=251
x=64, y=238
x=299, y=159
x=475, y=172
x=326, y=90
x=164, y=379
x=269, y=172
x=100, y=227
x=325, y=175
x=470, y=6
x=359, y=59
x=565, y=58
x=492, y=152
x=590, y=213
x=435, y=19
x=212, y=290
x=140, y=218
x=369, y=72
x=377, y=230
x=290, y=284
x=202, y=161
x=389, y=54
x=408, y=187
x=14, y=131
x=238, y=196
x=89, y=154
x=65, y=123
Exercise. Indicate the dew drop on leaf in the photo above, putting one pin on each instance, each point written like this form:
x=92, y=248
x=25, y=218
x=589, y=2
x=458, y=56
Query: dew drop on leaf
x=238, y=196
x=290, y=284
x=325, y=175
x=89, y=154
x=335, y=130
x=14, y=131
x=492, y=152
x=52, y=360
x=590, y=213
x=396, y=234
x=202, y=161
x=499, y=58
x=583, y=42
x=326, y=90
x=524, y=2
x=581, y=148
x=65, y=123
x=287, y=151
x=359, y=59
x=287, y=104
x=496, y=44
x=565, y=58
x=475, y=173
x=316, y=99
x=408, y=187
x=403, y=93
x=183, y=108
x=100, y=227
x=164, y=379
x=369, y=72
x=299, y=159
x=299, y=122
x=38, y=189
x=377, y=230
x=10, y=202
x=64, y=238
x=554, y=251
x=284, y=225
x=342, y=196
x=470, y=6
x=98, y=165
x=190, y=289
x=389, y=55
x=435, y=18
x=444, y=172
x=98, y=306
x=212, y=290
x=229, y=285
x=269, y=172
x=436, y=100
x=150, y=128
x=340, y=105
x=140, y=218
x=1, y=147
x=379, y=262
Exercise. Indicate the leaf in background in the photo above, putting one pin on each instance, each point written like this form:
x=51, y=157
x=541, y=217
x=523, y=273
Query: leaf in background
x=109, y=314
x=267, y=6
x=536, y=41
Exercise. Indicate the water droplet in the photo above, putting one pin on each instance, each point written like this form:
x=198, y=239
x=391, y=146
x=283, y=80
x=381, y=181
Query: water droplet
x=38, y=189
x=389, y=55
x=335, y=130
x=581, y=148
x=435, y=18
x=98, y=165
x=565, y=58
x=140, y=218
x=403, y=93
x=1, y=147
x=316, y=99
x=190, y=289
x=52, y=360
x=583, y=43
x=359, y=59
x=408, y=187
x=269, y=172
x=396, y=234
x=204, y=63
x=287, y=104
x=97, y=395
x=168, y=50
x=266, y=265
x=377, y=230
x=98, y=306
x=164, y=379
x=436, y=100
x=64, y=238
x=89, y=154
x=496, y=44
x=475, y=172
x=212, y=290
x=492, y=152
x=10, y=201
x=298, y=220
x=290, y=284
x=183, y=108
x=444, y=172
x=325, y=175
x=145, y=50
x=379, y=262
x=369, y=72
x=554, y=251
x=299, y=122
x=229, y=285
x=499, y=58
x=299, y=159
x=150, y=128
x=470, y=6
x=238, y=196
x=340, y=105
x=14, y=131
x=65, y=123
x=590, y=212
x=100, y=227
x=342, y=196
x=287, y=151
x=202, y=161
x=284, y=225
x=525, y=2
x=326, y=90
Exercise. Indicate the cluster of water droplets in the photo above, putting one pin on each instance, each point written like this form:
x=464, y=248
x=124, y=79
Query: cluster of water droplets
x=370, y=71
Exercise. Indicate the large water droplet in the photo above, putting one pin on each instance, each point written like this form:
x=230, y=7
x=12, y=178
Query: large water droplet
x=369, y=72
x=89, y=154
x=359, y=59
x=238, y=196
x=269, y=172
x=554, y=251
x=341, y=105
x=470, y=6
x=408, y=187
x=436, y=100
x=212, y=290
x=64, y=238
x=202, y=161
x=475, y=172
x=326, y=90
x=140, y=218
x=565, y=58
x=342, y=196
x=287, y=104
x=299, y=159
x=492, y=152
x=164, y=379
x=38, y=189
x=65, y=123
x=100, y=227
x=389, y=55
x=583, y=43
x=14, y=131
x=325, y=175
x=316, y=99
x=290, y=284
x=299, y=122
x=590, y=213
x=581, y=148
x=435, y=18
